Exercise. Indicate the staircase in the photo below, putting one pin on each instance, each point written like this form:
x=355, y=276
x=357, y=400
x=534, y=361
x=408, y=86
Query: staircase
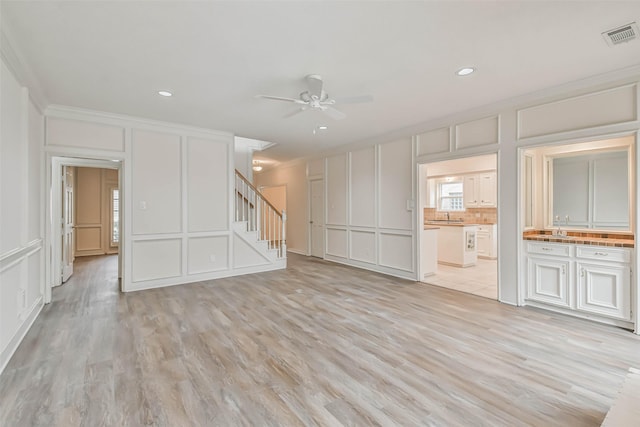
x=259, y=229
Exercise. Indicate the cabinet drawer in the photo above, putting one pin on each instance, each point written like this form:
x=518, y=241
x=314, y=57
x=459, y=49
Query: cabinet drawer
x=549, y=249
x=603, y=253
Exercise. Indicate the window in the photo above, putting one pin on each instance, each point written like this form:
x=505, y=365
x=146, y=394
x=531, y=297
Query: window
x=115, y=217
x=450, y=196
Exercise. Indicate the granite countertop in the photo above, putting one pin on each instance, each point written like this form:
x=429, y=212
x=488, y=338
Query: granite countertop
x=582, y=240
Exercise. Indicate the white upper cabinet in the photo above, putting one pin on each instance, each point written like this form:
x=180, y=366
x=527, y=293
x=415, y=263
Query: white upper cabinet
x=480, y=190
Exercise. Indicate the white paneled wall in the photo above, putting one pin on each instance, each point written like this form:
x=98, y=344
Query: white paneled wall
x=336, y=182
x=21, y=248
x=156, y=182
x=396, y=185
x=177, y=193
x=205, y=184
x=362, y=197
x=374, y=228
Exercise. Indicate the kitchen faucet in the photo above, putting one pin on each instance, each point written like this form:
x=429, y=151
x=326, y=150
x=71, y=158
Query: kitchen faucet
x=448, y=219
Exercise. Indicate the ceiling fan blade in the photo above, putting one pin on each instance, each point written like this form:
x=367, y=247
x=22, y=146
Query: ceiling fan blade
x=354, y=99
x=295, y=112
x=315, y=85
x=333, y=113
x=280, y=98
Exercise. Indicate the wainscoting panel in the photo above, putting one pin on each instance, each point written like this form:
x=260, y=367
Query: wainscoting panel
x=363, y=246
x=362, y=174
x=207, y=181
x=434, y=142
x=156, y=182
x=478, y=132
x=607, y=107
x=396, y=251
x=337, y=242
x=336, y=179
x=395, y=185
x=75, y=133
x=208, y=254
x=156, y=259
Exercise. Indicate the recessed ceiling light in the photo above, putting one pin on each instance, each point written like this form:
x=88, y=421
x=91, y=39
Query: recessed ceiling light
x=164, y=93
x=465, y=71
x=323, y=127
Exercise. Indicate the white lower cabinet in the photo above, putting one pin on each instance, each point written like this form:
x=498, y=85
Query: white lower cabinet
x=604, y=289
x=487, y=242
x=548, y=281
x=595, y=280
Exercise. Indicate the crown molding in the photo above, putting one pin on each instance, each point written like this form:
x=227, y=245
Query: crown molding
x=84, y=114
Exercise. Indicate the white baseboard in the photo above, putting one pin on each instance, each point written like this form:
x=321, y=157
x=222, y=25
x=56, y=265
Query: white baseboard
x=297, y=251
x=11, y=348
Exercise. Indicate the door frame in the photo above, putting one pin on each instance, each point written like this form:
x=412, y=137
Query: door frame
x=309, y=207
x=53, y=232
x=419, y=214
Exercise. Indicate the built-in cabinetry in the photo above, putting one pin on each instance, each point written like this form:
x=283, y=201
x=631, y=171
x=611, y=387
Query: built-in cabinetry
x=487, y=243
x=457, y=245
x=480, y=190
x=592, y=280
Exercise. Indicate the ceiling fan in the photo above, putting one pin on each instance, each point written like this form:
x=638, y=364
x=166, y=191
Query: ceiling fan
x=315, y=98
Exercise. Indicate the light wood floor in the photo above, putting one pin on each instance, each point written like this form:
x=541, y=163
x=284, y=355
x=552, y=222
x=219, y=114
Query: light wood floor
x=317, y=344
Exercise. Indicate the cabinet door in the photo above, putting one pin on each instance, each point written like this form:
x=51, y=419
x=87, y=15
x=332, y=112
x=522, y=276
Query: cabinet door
x=604, y=289
x=487, y=190
x=548, y=281
x=484, y=244
x=470, y=191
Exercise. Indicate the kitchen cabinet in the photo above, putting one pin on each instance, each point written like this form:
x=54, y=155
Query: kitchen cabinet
x=457, y=245
x=480, y=190
x=487, y=242
x=595, y=280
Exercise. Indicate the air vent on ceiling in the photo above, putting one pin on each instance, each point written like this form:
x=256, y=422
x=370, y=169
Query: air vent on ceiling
x=621, y=34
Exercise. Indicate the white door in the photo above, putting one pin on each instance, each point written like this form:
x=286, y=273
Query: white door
x=67, y=223
x=317, y=218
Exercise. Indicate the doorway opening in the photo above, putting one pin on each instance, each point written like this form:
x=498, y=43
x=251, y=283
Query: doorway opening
x=85, y=211
x=458, y=224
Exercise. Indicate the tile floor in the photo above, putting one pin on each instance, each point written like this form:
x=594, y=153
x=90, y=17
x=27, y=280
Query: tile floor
x=481, y=279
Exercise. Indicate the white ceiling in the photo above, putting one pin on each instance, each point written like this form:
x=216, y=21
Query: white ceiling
x=216, y=56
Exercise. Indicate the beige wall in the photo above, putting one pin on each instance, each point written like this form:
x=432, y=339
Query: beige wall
x=92, y=210
x=294, y=177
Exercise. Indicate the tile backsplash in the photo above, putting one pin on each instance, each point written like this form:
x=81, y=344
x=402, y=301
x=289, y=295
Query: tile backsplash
x=471, y=215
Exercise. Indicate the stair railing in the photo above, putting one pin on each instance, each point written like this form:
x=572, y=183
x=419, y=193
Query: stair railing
x=261, y=216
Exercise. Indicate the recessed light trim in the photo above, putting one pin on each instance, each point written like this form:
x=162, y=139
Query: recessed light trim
x=465, y=71
x=323, y=127
x=164, y=93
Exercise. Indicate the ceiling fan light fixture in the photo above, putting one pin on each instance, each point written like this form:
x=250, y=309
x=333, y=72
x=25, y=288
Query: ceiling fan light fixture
x=465, y=71
x=256, y=166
